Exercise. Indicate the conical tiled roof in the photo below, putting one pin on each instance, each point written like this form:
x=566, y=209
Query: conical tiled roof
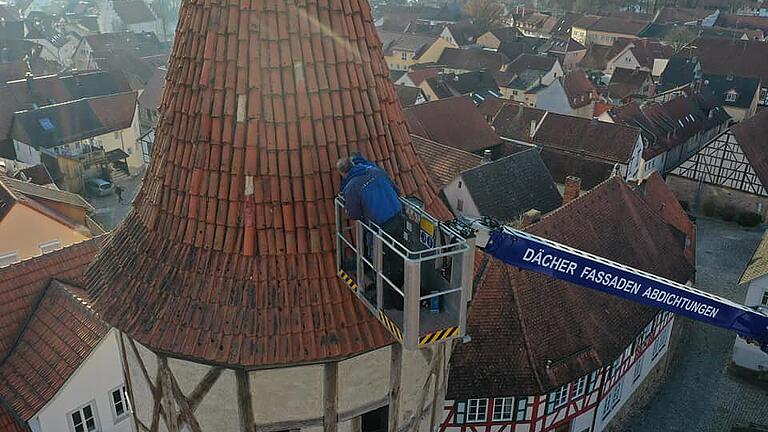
x=228, y=256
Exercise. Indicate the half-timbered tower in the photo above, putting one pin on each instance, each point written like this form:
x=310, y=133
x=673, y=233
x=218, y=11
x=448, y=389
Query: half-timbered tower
x=222, y=279
x=729, y=171
x=547, y=355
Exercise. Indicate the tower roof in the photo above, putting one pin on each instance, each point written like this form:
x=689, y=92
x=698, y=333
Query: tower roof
x=228, y=256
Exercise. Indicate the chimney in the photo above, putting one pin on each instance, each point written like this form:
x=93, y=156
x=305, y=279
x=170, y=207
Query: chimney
x=29, y=77
x=532, y=131
x=594, y=120
x=572, y=189
x=530, y=217
x=487, y=157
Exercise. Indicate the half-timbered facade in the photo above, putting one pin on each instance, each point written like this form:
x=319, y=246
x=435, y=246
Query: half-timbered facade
x=222, y=280
x=674, y=129
x=728, y=171
x=534, y=365
x=588, y=403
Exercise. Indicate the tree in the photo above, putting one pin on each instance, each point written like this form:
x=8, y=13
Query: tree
x=486, y=14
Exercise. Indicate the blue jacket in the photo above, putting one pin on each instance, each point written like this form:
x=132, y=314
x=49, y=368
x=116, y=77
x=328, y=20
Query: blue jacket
x=369, y=193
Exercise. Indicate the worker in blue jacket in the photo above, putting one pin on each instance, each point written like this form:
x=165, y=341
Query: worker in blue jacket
x=369, y=194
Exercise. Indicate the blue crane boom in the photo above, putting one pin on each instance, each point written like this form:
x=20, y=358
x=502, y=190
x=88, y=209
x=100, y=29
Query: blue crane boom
x=530, y=252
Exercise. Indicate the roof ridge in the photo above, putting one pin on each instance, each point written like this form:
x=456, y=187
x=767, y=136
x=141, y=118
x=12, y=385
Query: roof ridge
x=72, y=101
x=24, y=326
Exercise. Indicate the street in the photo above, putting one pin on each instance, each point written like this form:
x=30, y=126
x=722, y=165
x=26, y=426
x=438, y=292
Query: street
x=702, y=393
x=109, y=213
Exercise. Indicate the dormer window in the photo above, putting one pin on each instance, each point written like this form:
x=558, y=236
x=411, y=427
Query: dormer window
x=731, y=96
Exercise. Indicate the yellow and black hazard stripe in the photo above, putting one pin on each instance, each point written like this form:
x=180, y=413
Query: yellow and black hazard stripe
x=347, y=280
x=391, y=326
x=439, y=335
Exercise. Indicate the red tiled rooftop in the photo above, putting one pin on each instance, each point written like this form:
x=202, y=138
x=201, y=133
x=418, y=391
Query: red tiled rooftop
x=229, y=255
x=22, y=284
x=9, y=423
x=514, y=311
x=453, y=121
x=607, y=141
x=58, y=336
x=443, y=163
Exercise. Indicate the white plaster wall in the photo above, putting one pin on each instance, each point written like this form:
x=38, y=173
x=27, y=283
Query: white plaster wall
x=415, y=371
x=553, y=98
x=583, y=422
x=140, y=391
x=364, y=379
x=287, y=394
x=747, y=355
x=628, y=386
x=634, y=161
x=92, y=382
x=26, y=153
x=453, y=192
x=218, y=412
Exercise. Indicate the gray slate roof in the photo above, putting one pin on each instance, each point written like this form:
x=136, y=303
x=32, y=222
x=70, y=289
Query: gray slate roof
x=510, y=186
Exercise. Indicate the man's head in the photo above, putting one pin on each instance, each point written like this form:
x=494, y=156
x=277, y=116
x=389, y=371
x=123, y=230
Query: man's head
x=344, y=165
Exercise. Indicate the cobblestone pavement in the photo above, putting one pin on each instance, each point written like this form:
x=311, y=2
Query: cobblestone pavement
x=701, y=392
x=109, y=213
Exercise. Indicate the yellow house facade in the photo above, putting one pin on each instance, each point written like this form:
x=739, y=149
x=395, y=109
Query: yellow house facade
x=32, y=224
x=402, y=55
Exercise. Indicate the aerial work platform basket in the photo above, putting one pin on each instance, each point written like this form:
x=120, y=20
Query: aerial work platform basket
x=414, y=274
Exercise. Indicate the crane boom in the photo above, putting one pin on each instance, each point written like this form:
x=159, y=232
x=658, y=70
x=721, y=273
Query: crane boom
x=530, y=252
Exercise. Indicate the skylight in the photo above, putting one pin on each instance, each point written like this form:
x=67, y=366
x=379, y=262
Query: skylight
x=46, y=124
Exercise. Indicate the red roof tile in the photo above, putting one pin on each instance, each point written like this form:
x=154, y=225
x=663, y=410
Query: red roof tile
x=723, y=56
x=443, y=163
x=579, y=89
x=454, y=121
x=236, y=210
x=57, y=337
x=22, y=285
x=597, y=139
x=752, y=136
x=517, y=317
x=515, y=120
x=8, y=421
x=659, y=197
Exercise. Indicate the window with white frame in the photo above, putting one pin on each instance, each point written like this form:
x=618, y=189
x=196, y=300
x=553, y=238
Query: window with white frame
x=477, y=410
x=404, y=55
x=84, y=419
x=612, y=400
x=580, y=386
x=558, y=398
x=460, y=415
x=615, y=367
x=658, y=345
x=9, y=258
x=502, y=408
x=118, y=398
x=731, y=96
x=521, y=410
x=638, y=370
x=592, y=382
x=765, y=298
x=50, y=246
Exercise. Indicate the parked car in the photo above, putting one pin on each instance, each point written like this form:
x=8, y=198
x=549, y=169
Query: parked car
x=98, y=187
